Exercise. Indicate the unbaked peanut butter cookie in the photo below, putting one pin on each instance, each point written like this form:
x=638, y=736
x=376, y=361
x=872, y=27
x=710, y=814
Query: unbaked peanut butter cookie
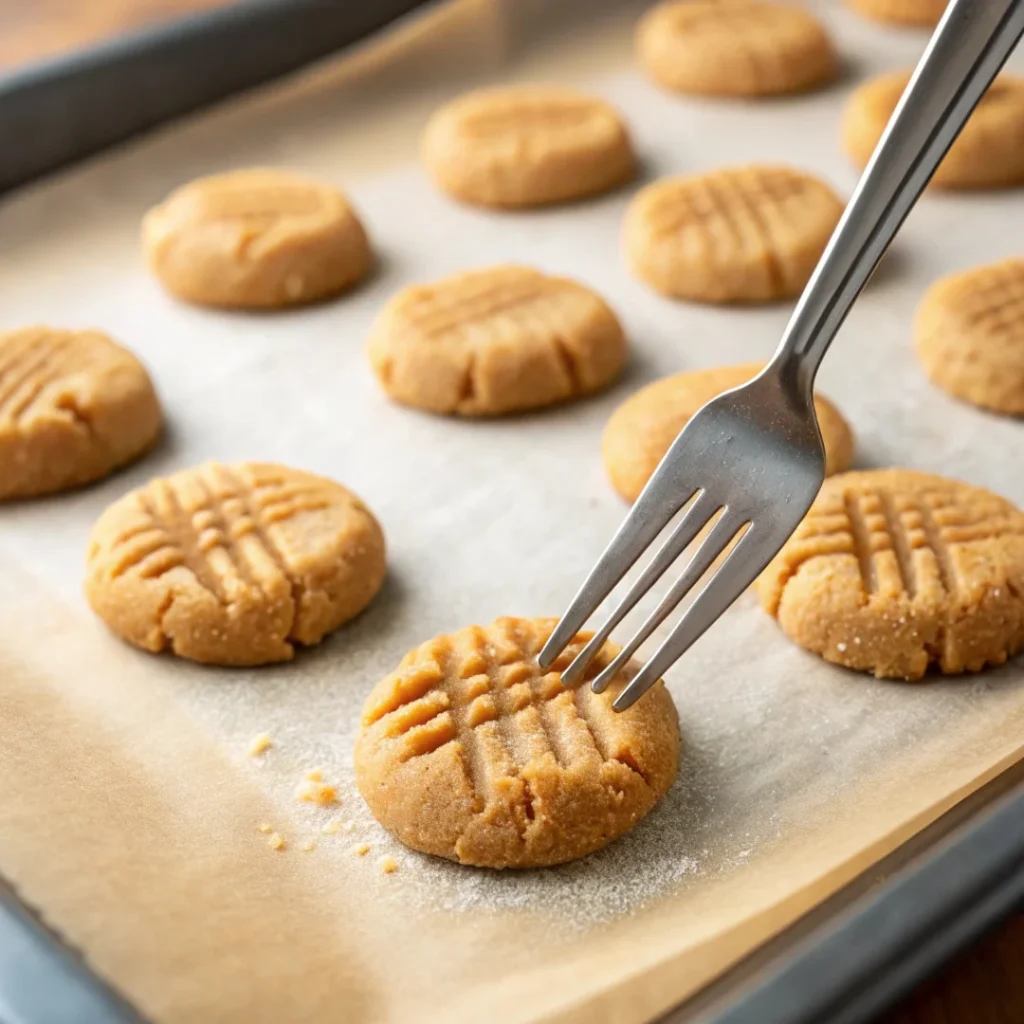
x=74, y=406
x=969, y=332
x=469, y=751
x=256, y=239
x=902, y=12
x=743, y=234
x=527, y=145
x=894, y=572
x=734, y=47
x=988, y=153
x=641, y=430
x=233, y=564
x=495, y=341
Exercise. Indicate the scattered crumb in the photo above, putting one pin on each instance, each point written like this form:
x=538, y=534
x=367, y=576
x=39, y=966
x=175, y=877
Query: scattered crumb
x=265, y=828
x=315, y=775
x=277, y=842
x=348, y=826
x=362, y=850
x=309, y=846
x=388, y=865
x=260, y=744
x=332, y=827
x=840, y=647
x=321, y=793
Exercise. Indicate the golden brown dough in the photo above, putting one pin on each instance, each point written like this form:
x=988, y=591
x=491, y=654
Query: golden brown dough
x=74, y=406
x=743, y=234
x=902, y=12
x=734, y=47
x=495, y=341
x=641, y=430
x=233, y=565
x=256, y=239
x=893, y=572
x=988, y=153
x=469, y=751
x=527, y=145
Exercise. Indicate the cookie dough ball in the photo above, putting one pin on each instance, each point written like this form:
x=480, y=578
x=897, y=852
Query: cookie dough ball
x=894, y=572
x=745, y=234
x=469, y=751
x=902, y=12
x=734, y=48
x=256, y=239
x=641, y=430
x=495, y=341
x=988, y=153
x=527, y=145
x=233, y=565
x=969, y=333
x=74, y=406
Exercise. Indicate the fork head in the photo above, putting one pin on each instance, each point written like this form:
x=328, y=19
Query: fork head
x=753, y=460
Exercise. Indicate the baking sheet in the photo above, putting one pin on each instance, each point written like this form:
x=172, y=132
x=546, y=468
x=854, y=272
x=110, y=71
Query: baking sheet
x=128, y=805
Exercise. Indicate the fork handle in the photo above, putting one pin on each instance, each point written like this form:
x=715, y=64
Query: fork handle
x=964, y=55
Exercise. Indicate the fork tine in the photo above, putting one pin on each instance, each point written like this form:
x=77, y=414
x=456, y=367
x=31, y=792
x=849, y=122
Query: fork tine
x=649, y=515
x=722, y=532
x=733, y=576
x=691, y=524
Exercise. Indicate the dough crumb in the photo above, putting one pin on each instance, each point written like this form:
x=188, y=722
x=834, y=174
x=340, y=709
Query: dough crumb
x=309, y=846
x=260, y=744
x=388, y=865
x=265, y=827
x=277, y=841
x=321, y=793
x=332, y=827
x=315, y=775
x=362, y=850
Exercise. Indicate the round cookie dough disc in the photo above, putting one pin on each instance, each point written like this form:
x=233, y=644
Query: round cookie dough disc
x=902, y=12
x=969, y=333
x=527, y=145
x=495, y=341
x=893, y=572
x=233, y=565
x=641, y=430
x=988, y=153
x=74, y=406
x=742, y=234
x=256, y=239
x=734, y=48
x=469, y=751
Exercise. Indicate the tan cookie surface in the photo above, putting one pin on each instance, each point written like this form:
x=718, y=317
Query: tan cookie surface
x=256, y=239
x=641, y=430
x=527, y=145
x=969, y=333
x=74, y=406
x=734, y=47
x=233, y=564
x=988, y=153
x=902, y=12
x=894, y=572
x=469, y=751
x=494, y=341
x=743, y=234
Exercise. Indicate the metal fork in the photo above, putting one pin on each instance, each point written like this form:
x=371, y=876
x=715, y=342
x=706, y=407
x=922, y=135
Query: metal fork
x=753, y=456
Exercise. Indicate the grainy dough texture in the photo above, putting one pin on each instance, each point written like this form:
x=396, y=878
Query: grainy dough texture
x=744, y=234
x=527, y=145
x=641, y=430
x=494, y=341
x=233, y=565
x=469, y=751
x=734, y=47
x=902, y=12
x=894, y=572
x=988, y=153
x=969, y=332
x=256, y=239
x=74, y=406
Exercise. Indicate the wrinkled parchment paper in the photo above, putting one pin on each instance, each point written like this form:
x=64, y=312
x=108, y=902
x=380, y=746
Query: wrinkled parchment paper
x=129, y=808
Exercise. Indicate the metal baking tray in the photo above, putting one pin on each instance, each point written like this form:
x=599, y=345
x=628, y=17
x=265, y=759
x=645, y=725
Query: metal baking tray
x=845, y=961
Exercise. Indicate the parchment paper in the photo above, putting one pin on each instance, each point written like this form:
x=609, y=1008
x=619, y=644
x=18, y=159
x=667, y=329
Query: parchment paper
x=129, y=808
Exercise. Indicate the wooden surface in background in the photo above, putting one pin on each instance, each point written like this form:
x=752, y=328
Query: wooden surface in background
x=984, y=985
